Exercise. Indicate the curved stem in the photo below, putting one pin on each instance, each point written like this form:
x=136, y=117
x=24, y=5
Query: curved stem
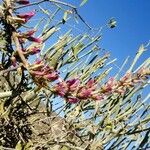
x=18, y=49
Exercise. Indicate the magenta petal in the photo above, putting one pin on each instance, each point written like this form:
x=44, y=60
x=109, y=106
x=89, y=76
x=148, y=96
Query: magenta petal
x=73, y=100
x=27, y=16
x=90, y=83
x=109, y=85
x=33, y=39
x=61, y=89
x=85, y=93
x=30, y=32
x=73, y=84
x=35, y=50
x=52, y=76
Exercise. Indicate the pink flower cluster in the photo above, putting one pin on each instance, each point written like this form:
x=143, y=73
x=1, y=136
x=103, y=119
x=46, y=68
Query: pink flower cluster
x=129, y=80
x=41, y=73
x=74, y=91
x=22, y=37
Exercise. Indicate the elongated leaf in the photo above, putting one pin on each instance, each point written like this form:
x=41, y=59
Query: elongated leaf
x=83, y=2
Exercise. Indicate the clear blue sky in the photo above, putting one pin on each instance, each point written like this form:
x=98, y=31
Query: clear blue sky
x=133, y=24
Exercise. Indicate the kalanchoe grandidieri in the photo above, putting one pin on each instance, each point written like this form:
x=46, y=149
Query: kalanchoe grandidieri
x=23, y=2
x=27, y=16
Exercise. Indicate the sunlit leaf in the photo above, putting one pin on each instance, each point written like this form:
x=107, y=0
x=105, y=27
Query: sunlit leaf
x=83, y=2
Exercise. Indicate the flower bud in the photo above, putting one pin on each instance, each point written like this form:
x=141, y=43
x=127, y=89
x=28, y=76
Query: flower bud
x=33, y=39
x=23, y=2
x=27, y=16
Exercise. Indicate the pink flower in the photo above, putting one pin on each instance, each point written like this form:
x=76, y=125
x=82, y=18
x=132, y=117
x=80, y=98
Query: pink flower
x=33, y=39
x=120, y=91
x=84, y=93
x=97, y=97
x=23, y=2
x=72, y=100
x=52, y=76
x=34, y=50
x=90, y=83
x=61, y=89
x=126, y=77
x=21, y=40
x=73, y=84
x=27, y=16
x=108, y=87
x=30, y=32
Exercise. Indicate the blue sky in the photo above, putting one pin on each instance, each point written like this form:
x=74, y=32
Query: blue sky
x=133, y=25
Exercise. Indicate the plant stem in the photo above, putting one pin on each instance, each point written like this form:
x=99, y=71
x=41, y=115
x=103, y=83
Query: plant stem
x=18, y=49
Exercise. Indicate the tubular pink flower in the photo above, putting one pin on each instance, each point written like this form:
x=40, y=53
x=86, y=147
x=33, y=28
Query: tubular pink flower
x=27, y=16
x=21, y=40
x=97, y=97
x=33, y=39
x=30, y=32
x=108, y=87
x=84, y=93
x=72, y=100
x=23, y=2
x=61, y=89
x=35, y=50
x=90, y=83
x=73, y=84
x=52, y=76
